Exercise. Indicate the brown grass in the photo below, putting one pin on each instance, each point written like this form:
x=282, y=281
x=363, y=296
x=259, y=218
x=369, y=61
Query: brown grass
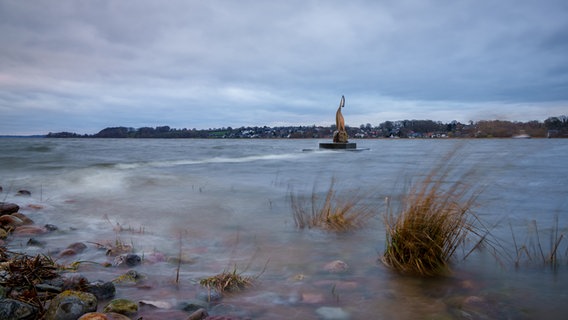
x=434, y=219
x=333, y=213
x=228, y=281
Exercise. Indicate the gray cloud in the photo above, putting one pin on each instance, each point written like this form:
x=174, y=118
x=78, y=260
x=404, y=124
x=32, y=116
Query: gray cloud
x=84, y=65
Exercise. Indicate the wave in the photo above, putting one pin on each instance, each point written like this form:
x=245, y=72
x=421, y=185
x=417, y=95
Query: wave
x=213, y=160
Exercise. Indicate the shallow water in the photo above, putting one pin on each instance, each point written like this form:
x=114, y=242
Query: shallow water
x=226, y=204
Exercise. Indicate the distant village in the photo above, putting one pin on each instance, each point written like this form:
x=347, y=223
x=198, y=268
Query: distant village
x=553, y=127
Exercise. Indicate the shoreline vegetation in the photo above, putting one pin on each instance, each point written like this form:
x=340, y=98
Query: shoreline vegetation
x=553, y=127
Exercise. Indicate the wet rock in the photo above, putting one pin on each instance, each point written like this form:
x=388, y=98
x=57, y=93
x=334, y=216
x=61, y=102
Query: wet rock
x=128, y=260
x=209, y=295
x=103, y=316
x=129, y=278
x=70, y=305
x=26, y=193
x=102, y=290
x=10, y=221
x=336, y=266
x=332, y=313
x=3, y=234
x=25, y=219
x=29, y=230
x=198, y=314
x=154, y=304
x=8, y=208
x=51, y=227
x=122, y=306
x=17, y=310
x=193, y=305
x=35, y=243
x=73, y=249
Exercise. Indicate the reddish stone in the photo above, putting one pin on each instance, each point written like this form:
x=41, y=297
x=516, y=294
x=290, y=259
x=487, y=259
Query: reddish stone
x=29, y=230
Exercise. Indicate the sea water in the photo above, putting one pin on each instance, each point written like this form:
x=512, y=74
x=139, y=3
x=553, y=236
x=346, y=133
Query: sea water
x=225, y=205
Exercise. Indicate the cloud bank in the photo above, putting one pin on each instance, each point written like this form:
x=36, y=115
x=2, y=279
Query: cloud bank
x=84, y=65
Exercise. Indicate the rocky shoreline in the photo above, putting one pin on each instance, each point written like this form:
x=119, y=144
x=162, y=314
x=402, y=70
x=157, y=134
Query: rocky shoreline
x=37, y=287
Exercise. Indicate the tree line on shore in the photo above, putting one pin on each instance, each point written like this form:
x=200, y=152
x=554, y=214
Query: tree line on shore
x=553, y=127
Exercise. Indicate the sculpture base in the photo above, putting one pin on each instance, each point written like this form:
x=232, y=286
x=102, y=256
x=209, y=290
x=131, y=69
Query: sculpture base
x=338, y=146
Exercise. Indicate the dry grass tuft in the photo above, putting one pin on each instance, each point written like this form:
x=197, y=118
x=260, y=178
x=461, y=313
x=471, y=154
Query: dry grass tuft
x=334, y=213
x=434, y=220
x=228, y=281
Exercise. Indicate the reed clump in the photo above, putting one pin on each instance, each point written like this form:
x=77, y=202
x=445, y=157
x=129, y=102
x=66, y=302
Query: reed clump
x=227, y=281
x=333, y=213
x=433, y=221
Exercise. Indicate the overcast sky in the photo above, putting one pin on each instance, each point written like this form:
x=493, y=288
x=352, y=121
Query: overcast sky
x=81, y=66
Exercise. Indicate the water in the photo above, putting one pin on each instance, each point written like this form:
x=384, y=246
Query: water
x=225, y=203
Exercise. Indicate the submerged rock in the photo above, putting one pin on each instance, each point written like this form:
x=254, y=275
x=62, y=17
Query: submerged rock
x=29, y=230
x=23, y=193
x=17, y=310
x=193, y=305
x=73, y=249
x=70, y=305
x=198, y=314
x=25, y=219
x=102, y=290
x=8, y=208
x=50, y=227
x=336, y=266
x=122, y=306
x=209, y=295
x=9, y=221
x=128, y=260
x=332, y=313
x=129, y=278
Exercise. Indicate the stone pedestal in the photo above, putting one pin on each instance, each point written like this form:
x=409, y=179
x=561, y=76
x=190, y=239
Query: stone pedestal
x=338, y=146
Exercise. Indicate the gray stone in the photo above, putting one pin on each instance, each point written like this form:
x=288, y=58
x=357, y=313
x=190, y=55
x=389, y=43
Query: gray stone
x=102, y=290
x=17, y=310
x=70, y=305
